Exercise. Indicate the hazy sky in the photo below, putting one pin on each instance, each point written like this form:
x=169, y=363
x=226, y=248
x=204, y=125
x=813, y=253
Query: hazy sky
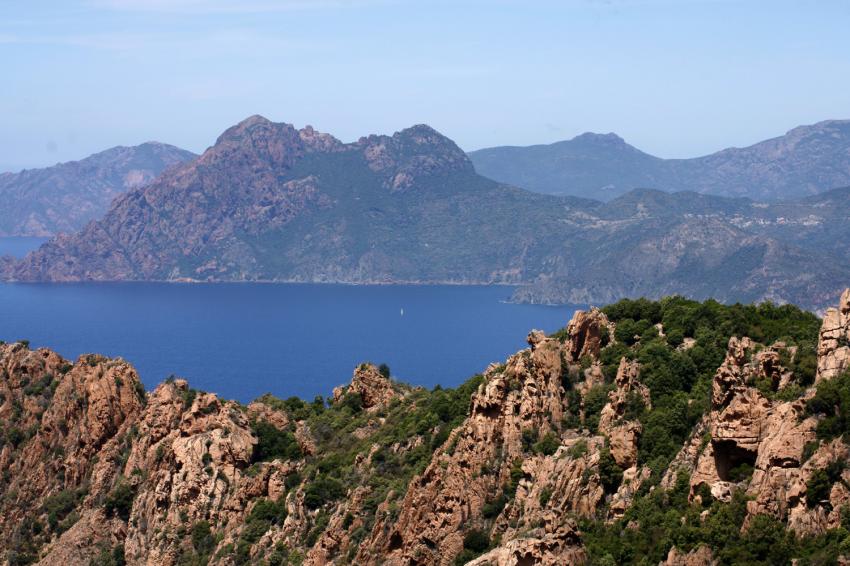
x=676, y=78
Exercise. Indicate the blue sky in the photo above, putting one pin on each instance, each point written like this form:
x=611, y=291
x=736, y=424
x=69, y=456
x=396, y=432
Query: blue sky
x=676, y=78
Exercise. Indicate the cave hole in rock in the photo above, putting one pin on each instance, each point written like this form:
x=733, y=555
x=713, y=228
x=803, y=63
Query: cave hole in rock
x=396, y=542
x=733, y=463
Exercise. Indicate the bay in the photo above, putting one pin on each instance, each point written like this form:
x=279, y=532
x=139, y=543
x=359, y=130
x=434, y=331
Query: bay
x=242, y=340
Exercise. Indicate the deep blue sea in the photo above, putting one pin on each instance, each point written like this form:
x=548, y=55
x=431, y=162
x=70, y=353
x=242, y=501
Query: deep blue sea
x=242, y=340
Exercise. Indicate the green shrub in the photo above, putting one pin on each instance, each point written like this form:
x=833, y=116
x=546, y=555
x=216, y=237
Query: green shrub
x=353, y=401
x=119, y=502
x=832, y=403
x=741, y=472
x=493, y=509
x=59, y=505
x=545, y=496
x=596, y=398
x=476, y=541
x=322, y=490
x=203, y=540
x=273, y=443
x=529, y=438
x=820, y=483
x=109, y=557
x=610, y=474
x=578, y=449
x=547, y=445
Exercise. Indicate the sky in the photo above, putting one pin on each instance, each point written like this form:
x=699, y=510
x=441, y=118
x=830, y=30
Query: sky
x=676, y=78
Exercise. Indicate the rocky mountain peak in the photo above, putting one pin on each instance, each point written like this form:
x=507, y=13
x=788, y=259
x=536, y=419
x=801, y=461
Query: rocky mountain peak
x=834, y=127
x=601, y=139
x=413, y=154
x=318, y=141
x=254, y=141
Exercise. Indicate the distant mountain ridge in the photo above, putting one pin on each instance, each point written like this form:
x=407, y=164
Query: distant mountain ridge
x=269, y=202
x=64, y=197
x=806, y=160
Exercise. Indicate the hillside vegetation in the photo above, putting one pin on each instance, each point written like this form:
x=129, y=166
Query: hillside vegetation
x=643, y=433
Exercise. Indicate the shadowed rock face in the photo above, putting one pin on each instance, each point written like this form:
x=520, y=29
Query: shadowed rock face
x=63, y=198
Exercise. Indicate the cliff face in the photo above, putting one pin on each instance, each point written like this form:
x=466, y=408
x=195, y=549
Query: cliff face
x=63, y=198
x=545, y=459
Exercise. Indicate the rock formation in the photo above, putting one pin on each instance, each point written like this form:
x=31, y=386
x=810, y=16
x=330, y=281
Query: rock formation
x=561, y=545
x=93, y=468
x=701, y=556
x=751, y=434
x=622, y=433
x=834, y=340
x=374, y=389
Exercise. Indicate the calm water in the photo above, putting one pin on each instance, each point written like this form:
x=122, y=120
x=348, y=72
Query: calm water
x=242, y=340
x=19, y=247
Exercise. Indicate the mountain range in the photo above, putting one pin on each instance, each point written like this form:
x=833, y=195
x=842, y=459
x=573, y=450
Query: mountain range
x=269, y=202
x=805, y=161
x=65, y=197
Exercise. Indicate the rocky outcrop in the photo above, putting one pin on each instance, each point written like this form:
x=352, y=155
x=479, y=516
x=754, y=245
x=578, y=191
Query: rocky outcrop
x=524, y=394
x=556, y=546
x=756, y=444
x=700, y=556
x=585, y=334
x=834, y=340
x=624, y=434
x=373, y=389
x=90, y=435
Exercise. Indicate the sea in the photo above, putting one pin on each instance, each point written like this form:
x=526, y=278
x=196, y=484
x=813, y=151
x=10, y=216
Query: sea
x=241, y=340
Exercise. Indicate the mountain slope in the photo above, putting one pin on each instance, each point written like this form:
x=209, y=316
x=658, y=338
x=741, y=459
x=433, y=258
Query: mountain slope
x=598, y=166
x=805, y=161
x=269, y=202
x=673, y=432
x=650, y=244
x=63, y=198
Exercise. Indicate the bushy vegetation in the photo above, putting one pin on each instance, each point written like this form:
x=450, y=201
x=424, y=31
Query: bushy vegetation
x=343, y=431
x=273, y=443
x=60, y=509
x=680, y=378
x=263, y=515
x=119, y=502
x=832, y=403
x=475, y=543
x=109, y=557
x=662, y=519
